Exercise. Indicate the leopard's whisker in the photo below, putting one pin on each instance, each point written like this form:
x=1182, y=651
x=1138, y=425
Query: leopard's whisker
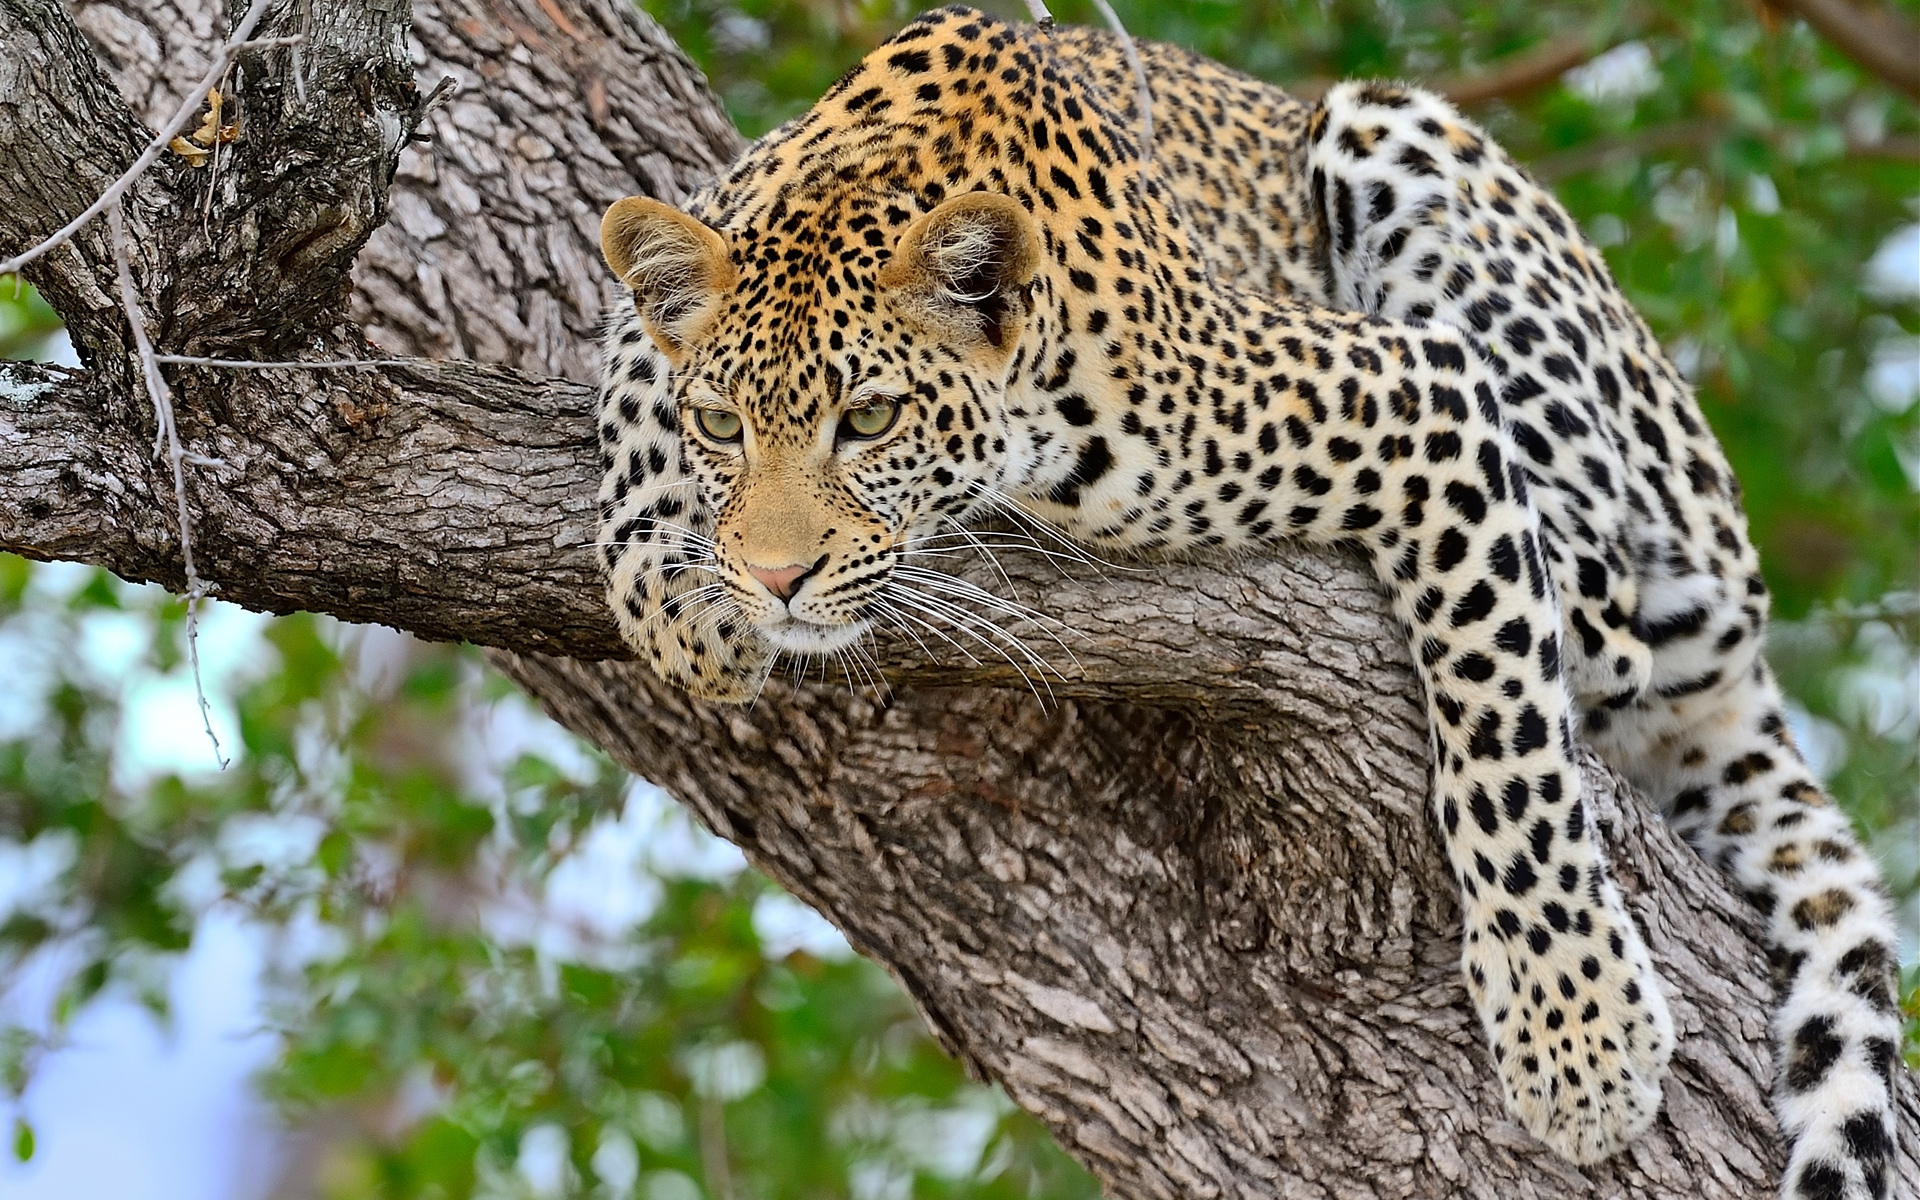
x=962, y=617
x=706, y=562
x=760, y=684
x=903, y=616
x=659, y=525
x=867, y=667
x=683, y=601
x=944, y=545
x=847, y=669
x=882, y=608
x=707, y=551
x=986, y=552
x=659, y=487
x=839, y=656
x=1007, y=505
x=685, y=530
x=959, y=586
x=874, y=673
x=929, y=548
x=853, y=669
x=977, y=627
x=984, y=539
x=961, y=589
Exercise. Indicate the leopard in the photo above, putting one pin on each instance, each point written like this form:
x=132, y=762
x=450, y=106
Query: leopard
x=966, y=282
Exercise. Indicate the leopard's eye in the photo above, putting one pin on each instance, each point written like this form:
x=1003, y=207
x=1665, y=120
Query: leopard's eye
x=718, y=423
x=871, y=419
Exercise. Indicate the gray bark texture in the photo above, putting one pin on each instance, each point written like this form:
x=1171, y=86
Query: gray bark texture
x=1185, y=903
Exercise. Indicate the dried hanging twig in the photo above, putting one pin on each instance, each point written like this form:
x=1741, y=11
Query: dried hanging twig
x=167, y=440
x=1044, y=19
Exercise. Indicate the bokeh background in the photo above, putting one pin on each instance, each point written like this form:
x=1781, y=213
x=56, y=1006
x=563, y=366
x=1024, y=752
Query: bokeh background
x=415, y=941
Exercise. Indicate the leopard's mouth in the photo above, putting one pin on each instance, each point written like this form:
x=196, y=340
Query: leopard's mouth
x=796, y=635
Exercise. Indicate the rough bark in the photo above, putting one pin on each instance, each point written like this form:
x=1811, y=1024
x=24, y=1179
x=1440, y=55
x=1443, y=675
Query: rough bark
x=1190, y=910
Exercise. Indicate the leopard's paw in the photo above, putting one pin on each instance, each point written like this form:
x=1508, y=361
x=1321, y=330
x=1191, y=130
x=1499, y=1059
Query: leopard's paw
x=1578, y=1024
x=689, y=641
x=1608, y=661
x=710, y=660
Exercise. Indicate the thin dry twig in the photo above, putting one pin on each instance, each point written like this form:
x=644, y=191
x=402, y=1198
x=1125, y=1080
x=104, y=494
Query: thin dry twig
x=213, y=176
x=433, y=101
x=189, y=108
x=167, y=440
x=299, y=57
x=1139, y=75
x=1037, y=9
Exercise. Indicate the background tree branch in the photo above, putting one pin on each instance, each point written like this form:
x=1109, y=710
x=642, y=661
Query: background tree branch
x=1512, y=77
x=1879, y=39
x=1191, y=912
x=1528, y=71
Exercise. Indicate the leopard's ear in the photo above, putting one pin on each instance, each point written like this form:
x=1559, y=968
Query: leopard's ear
x=676, y=266
x=965, y=267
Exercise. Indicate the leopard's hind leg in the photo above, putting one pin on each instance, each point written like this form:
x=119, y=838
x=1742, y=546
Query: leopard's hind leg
x=1422, y=216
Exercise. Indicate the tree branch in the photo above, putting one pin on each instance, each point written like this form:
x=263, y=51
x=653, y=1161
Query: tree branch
x=1192, y=913
x=1692, y=136
x=451, y=500
x=1529, y=71
x=65, y=138
x=1509, y=78
x=1879, y=39
x=155, y=146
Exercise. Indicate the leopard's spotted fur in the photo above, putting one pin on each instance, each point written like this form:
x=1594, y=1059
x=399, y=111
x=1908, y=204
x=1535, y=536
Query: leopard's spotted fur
x=1354, y=322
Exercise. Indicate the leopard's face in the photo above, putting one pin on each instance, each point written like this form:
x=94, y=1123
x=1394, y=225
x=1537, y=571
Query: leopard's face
x=821, y=476
x=831, y=420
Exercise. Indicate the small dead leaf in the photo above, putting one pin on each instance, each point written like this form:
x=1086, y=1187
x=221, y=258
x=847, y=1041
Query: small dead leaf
x=197, y=147
x=196, y=156
x=209, y=130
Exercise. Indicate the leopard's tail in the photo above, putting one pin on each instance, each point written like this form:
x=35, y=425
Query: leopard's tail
x=1738, y=790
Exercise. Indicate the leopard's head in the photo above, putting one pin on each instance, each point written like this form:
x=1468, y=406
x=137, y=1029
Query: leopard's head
x=839, y=370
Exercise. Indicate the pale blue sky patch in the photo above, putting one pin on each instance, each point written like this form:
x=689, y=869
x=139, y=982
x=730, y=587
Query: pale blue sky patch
x=1893, y=273
x=785, y=925
x=132, y=1111
x=1621, y=75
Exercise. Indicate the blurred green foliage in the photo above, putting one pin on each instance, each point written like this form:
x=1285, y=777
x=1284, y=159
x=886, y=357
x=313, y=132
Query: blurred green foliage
x=451, y=1025
x=28, y=324
x=456, y=1033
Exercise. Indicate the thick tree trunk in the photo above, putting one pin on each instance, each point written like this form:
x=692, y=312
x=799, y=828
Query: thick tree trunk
x=1187, y=907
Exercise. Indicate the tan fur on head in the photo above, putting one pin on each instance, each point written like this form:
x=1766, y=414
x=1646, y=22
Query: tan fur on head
x=964, y=268
x=676, y=266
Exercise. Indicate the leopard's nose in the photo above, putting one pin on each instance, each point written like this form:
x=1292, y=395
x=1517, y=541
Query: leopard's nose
x=781, y=581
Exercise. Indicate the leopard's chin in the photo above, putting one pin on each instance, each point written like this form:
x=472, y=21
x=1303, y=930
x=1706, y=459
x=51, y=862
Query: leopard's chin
x=796, y=636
